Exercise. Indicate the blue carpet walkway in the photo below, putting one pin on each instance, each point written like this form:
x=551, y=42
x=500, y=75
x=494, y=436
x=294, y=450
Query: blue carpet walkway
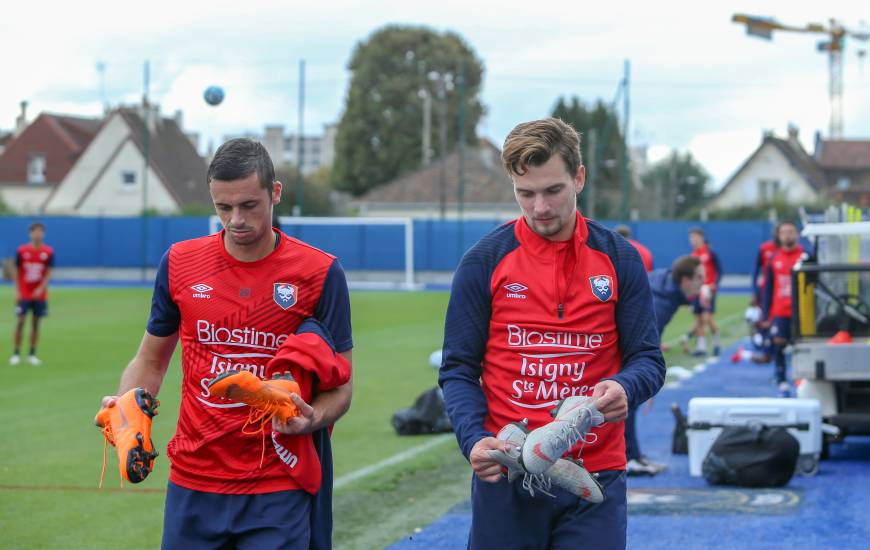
x=674, y=510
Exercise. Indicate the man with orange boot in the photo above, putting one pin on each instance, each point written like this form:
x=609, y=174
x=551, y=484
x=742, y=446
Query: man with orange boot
x=248, y=303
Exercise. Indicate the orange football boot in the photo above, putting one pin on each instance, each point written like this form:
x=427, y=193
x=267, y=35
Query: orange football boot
x=127, y=426
x=266, y=399
x=269, y=398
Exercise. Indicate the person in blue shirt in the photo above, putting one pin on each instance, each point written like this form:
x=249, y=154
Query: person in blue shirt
x=671, y=287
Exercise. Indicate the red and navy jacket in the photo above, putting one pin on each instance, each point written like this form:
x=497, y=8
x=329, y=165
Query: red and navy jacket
x=667, y=296
x=234, y=315
x=777, y=289
x=712, y=267
x=759, y=273
x=645, y=254
x=532, y=321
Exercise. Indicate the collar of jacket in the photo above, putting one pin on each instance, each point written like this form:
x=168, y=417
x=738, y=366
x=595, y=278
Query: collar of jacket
x=543, y=247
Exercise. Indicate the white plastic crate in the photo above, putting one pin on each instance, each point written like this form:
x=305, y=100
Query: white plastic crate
x=707, y=415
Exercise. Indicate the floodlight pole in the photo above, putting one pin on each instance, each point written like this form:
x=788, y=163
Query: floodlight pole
x=625, y=150
x=460, y=199
x=146, y=152
x=300, y=147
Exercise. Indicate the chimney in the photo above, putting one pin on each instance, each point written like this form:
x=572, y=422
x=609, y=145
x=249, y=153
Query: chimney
x=273, y=141
x=21, y=120
x=179, y=119
x=793, y=140
x=150, y=115
x=819, y=145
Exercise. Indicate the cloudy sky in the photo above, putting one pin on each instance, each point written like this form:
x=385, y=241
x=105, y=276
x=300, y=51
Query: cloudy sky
x=698, y=82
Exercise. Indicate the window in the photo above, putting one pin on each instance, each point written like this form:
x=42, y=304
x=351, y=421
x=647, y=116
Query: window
x=768, y=190
x=843, y=183
x=128, y=177
x=36, y=169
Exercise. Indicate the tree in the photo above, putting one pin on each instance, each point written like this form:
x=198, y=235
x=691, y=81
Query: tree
x=602, y=197
x=4, y=210
x=316, y=191
x=379, y=136
x=675, y=187
x=778, y=209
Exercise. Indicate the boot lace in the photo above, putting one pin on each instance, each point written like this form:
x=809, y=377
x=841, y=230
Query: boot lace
x=537, y=482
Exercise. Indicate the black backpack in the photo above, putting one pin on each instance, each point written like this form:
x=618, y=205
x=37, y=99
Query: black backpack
x=427, y=416
x=679, y=439
x=752, y=456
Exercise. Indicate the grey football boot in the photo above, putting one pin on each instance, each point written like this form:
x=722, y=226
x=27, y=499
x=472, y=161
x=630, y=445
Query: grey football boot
x=567, y=474
x=574, y=418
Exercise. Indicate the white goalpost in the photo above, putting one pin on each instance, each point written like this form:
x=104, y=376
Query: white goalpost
x=372, y=277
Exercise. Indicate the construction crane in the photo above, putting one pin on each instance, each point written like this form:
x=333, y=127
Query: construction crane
x=763, y=27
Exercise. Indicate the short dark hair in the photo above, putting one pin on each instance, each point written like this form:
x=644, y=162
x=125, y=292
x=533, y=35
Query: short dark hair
x=533, y=143
x=239, y=158
x=623, y=230
x=698, y=231
x=684, y=266
x=36, y=225
x=783, y=223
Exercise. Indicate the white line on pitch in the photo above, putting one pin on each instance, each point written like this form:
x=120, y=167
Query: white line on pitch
x=395, y=459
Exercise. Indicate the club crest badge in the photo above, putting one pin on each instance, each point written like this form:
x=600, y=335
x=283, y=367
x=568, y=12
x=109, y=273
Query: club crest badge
x=602, y=287
x=285, y=295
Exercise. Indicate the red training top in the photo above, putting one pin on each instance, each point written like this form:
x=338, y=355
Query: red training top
x=234, y=315
x=645, y=254
x=533, y=321
x=779, y=272
x=33, y=265
x=711, y=265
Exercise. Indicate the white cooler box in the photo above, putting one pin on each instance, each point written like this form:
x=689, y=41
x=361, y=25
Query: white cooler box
x=802, y=416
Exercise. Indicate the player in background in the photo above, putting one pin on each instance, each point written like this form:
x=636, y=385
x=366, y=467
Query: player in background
x=776, y=304
x=637, y=463
x=33, y=264
x=705, y=304
x=671, y=288
x=234, y=299
x=644, y=252
x=761, y=336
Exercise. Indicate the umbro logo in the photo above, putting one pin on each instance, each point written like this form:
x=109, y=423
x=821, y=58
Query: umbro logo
x=200, y=290
x=515, y=290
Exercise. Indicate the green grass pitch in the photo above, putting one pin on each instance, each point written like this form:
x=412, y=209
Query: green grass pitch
x=52, y=454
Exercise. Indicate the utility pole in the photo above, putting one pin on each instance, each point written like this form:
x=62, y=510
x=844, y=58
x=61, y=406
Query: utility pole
x=423, y=94
x=592, y=174
x=427, y=127
x=443, y=81
x=146, y=152
x=624, y=173
x=674, y=192
x=101, y=69
x=442, y=96
x=300, y=147
x=460, y=199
